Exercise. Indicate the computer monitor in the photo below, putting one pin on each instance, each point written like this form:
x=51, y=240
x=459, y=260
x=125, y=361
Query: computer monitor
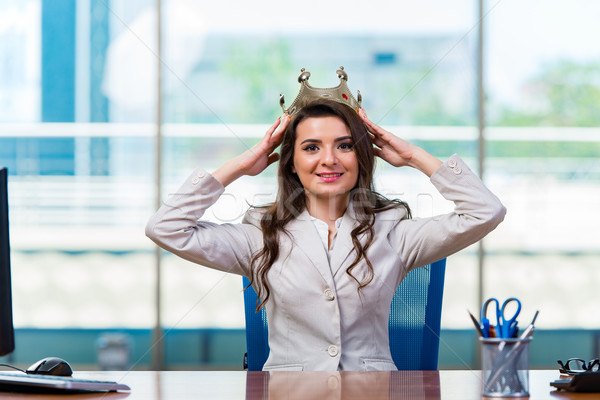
x=7, y=334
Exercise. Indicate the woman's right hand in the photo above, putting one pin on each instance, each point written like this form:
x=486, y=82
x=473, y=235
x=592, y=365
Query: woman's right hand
x=256, y=159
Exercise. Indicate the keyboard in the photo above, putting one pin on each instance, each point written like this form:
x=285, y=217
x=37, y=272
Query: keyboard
x=21, y=382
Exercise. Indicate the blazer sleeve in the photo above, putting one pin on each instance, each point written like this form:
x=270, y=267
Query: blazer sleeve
x=177, y=227
x=477, y=212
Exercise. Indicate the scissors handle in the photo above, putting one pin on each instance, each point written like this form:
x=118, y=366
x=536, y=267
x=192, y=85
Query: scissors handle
x=508, y=326
x=487, y=327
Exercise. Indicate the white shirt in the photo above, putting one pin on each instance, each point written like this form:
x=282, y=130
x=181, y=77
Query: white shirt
x=323, y=230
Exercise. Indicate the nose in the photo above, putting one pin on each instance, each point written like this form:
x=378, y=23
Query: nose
x=329, y=157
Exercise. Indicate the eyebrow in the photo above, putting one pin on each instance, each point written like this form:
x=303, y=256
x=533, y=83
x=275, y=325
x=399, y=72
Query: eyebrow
x=340, y=139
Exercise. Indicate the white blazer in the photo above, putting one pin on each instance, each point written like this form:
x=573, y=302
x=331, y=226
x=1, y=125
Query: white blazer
x=317, y=320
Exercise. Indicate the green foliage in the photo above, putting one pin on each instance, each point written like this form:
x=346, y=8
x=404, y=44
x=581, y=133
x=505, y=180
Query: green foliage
x=564, y=94
x=544, y=149
x=261, y=72
x=418, y=96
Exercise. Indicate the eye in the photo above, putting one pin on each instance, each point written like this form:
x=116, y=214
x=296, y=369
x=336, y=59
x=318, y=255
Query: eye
x=310, y=148
x=345, y=146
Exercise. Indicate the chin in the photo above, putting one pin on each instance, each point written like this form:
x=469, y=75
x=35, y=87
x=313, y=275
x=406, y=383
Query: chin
x=330, y=191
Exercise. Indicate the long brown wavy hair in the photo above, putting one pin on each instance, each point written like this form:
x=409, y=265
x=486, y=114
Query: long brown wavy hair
x=291, y=200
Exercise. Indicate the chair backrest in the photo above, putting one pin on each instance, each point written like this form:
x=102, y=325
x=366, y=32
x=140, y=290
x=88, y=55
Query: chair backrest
x=415, y=318
x=257, y=331
x=414, y=323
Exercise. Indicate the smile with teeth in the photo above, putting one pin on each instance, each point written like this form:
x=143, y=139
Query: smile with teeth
x=330, y=176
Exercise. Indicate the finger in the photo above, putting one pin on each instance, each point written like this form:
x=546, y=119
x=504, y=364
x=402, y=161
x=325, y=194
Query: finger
x=271, y=140
x=378, y=152
x=382, y=133
x=272, y=129
x=366, y=119
x=370, y=125
x=373, y=127
x=376, y=129
x=285, y=121
x=377, y=141
x=363, y=114
x=278, y=134
x=272, y=158
x=275, y=141
x=272, y=134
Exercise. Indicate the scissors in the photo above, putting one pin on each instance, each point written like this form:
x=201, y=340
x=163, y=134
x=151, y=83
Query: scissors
x=505, y=328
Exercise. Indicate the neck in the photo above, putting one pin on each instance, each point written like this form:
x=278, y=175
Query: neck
x=327, y=208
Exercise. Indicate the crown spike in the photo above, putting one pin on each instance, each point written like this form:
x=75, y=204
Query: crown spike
x=304, y=75
x=282, y=101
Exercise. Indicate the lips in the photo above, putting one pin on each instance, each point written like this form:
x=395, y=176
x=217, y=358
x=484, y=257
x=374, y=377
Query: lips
x=330, y=176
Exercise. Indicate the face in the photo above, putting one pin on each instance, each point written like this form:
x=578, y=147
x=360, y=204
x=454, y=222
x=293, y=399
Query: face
x=324, y=158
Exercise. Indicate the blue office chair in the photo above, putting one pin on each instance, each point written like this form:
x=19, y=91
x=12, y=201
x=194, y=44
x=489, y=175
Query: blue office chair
x=414, y=323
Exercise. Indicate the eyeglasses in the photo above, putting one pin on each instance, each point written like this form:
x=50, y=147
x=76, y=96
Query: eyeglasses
x=576, y=365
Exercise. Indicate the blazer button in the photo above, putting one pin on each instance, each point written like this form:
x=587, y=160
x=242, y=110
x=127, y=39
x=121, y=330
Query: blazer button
x=195, y=180
x=328, y=293
x=457, y=170
x=332, y=350
x=452, y=163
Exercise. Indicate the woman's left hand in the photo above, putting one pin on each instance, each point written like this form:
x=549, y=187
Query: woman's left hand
x=398, y=152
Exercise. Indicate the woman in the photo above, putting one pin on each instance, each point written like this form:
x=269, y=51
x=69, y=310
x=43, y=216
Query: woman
x=326, y=257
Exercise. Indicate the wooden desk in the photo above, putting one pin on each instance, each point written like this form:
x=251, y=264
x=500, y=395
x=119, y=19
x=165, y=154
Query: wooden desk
x=216, y=385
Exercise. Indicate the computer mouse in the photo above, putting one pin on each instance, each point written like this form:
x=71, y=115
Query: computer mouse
x=51, y=366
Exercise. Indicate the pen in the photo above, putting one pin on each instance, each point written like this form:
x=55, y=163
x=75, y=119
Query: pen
x=476, y=323
x=529, y=331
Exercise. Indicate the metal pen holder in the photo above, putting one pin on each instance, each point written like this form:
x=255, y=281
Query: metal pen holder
x=505, y=367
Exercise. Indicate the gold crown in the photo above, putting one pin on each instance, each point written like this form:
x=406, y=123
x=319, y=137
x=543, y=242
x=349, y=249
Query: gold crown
x=307, y=93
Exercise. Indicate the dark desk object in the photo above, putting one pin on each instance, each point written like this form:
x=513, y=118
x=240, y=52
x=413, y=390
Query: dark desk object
x=257, y=385
x=585, y=382
x=414, y=324
x=19, y=382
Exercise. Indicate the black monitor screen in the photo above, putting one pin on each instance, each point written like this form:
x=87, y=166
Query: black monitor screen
x=7, y=335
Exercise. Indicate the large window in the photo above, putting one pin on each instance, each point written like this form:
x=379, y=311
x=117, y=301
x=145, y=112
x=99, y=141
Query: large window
x=543, y=157
x=411, y=62
x=81, y=186
x=78, y=101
